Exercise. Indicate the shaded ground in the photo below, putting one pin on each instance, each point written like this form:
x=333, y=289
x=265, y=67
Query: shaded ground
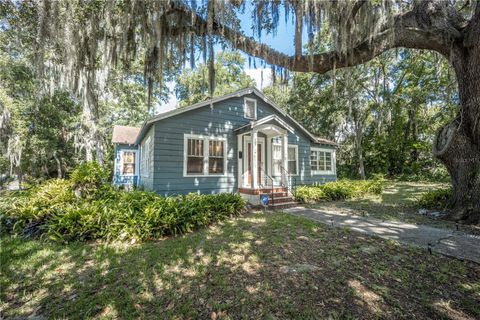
x=396, y=203
x=449, y=242
x=259, y=266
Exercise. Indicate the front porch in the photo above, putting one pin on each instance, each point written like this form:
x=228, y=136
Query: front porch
x=263, y=160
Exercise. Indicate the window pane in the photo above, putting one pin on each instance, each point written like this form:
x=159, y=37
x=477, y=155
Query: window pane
x=277, y=160
x=249, y=109
x=129, y=157
x=128, y=169
x=194, y=165
x=328, y=161
x=313, y=160
x=291, y=153
x=215, y=165
x=321, y=162
x=195, y=147
x=292, y=167
x=277, y=152
x=215, y=148
x=216, y=155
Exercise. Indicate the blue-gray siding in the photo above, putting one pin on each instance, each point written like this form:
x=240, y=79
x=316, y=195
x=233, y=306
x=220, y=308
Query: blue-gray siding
x=217, y=120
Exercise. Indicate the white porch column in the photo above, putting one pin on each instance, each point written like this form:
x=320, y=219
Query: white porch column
x=285, y=159
x=254, y=159
x=240, y=176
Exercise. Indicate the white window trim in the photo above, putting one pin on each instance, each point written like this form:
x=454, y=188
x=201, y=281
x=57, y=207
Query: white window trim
x=296, y=157
x=122, y=152
x=245, y=108
x=206, y=141
x=333, y=159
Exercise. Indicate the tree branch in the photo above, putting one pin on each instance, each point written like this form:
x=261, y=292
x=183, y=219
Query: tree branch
x=405, y=32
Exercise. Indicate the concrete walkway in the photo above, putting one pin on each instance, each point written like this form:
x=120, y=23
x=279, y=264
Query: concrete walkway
x=453, y=243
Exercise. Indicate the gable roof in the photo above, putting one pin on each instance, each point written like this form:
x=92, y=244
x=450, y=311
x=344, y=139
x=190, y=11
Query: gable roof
x=235, y=94
x=264, y=120
x=125, y=135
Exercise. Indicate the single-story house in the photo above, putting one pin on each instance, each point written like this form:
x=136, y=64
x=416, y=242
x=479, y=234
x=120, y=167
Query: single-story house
x=239, y=142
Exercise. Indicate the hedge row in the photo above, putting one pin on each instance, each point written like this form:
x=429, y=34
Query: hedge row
x=87, y=207
x=338, y=190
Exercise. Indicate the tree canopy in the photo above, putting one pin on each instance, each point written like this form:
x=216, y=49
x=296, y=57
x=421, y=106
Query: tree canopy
x=192, y=85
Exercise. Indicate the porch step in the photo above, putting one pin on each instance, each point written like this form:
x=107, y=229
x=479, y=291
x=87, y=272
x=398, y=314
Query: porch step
x=277, y=194
x=282, y=205
x=279, y=199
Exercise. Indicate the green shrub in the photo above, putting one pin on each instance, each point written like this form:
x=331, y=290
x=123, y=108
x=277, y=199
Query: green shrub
x=88, y=177
x=53, y=210
x=435, y=199
x=339, y=190
x=309, y=194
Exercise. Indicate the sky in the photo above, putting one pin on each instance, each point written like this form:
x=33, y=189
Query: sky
x=282, y=42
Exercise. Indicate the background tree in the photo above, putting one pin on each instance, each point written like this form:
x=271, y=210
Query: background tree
x=192, y=85
x=368, y=110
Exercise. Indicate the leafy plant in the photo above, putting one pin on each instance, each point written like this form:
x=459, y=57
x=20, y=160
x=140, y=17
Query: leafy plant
x=339, y=190
x=435, y=199
x=88, y=177
x=53, y=210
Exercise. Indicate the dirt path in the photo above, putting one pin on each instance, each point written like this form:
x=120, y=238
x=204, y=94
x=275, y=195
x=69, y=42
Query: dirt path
x=449, y=242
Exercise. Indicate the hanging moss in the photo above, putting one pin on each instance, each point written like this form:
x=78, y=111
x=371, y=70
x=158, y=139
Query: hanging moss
x=80, y=41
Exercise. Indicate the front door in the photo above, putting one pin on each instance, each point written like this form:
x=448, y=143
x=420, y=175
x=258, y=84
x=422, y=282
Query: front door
x=259, y=162
x=249, y=159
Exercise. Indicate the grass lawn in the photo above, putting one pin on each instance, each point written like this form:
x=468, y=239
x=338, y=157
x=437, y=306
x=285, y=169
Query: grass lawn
x=268, y=266
x=397, y=202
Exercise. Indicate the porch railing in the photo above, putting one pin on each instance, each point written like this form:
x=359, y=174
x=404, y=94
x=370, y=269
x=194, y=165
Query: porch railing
x=265, y=178
x=291, y=187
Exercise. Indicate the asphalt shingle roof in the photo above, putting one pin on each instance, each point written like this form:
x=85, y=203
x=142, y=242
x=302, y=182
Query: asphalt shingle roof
x=125, y=135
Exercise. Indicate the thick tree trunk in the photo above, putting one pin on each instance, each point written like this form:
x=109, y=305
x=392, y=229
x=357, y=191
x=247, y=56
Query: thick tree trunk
x=358, y=127
x=458, y=144
x=361, y=162
x=59, y=165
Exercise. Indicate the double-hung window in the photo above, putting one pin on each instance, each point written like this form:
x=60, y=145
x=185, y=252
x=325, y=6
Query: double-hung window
x=250, y=109
x=321, y=161
x=204, y=156
x=293, y=160
x=128, y=168
x=277, y=159
x=216, y=156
